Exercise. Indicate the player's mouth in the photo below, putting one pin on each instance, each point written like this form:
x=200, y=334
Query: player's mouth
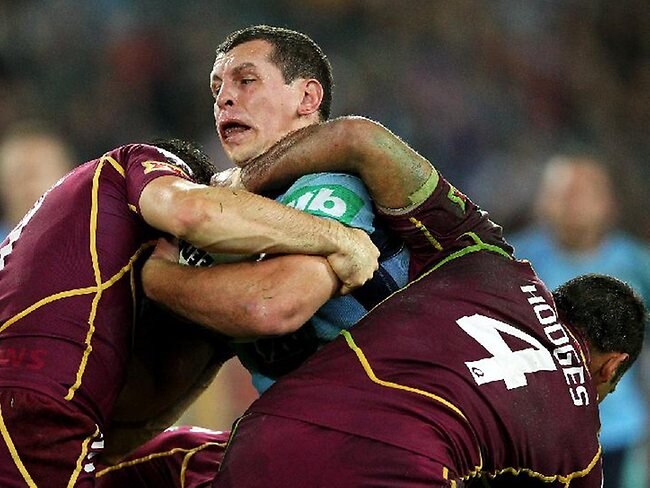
x=233, y=131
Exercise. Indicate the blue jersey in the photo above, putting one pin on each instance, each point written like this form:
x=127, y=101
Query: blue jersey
x=344, y=198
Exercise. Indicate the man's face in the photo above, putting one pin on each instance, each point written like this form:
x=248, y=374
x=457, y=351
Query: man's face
x=253, y=106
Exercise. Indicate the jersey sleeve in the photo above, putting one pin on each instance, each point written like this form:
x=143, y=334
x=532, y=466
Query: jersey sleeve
x=446, y=222
x=142, y=164
x=336, y=196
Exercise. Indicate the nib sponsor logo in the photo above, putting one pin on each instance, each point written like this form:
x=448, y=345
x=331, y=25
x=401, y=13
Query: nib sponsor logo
x=331, y=201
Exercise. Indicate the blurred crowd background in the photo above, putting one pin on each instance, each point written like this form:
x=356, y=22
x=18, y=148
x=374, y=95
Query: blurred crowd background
x=488, y=90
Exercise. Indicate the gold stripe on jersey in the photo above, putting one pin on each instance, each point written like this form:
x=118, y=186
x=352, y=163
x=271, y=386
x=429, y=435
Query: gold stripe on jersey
x=566, y=479
x=422, y=228
x=44, y=301
x=188, y=454
x=114, y=163
x=445, y=475
x=14, y=453
x=99, y=286
x=478, y=246
x=397, y=386
x=82, y=455
x=191, y=453
x=94, y=212
x=99, y=290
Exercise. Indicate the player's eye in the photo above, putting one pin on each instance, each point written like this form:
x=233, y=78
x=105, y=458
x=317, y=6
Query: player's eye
x=215, y=91
x=247, y=81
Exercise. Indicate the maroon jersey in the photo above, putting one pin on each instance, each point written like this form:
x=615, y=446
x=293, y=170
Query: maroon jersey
x=67, y=281
x=180, y=457
x=468, y=365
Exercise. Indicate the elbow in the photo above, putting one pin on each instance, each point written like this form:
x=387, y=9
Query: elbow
x=190, y=216
x=360, y=136
x=273, y=316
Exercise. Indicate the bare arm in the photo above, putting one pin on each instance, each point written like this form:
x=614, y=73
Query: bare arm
x=393, y=172
x=242, y=300
x=236, y=221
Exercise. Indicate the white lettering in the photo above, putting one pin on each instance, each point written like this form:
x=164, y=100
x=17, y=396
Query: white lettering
x=326, y=203
x=566, y=355
x=539, y=311
x=580, y=396
x=558, y=341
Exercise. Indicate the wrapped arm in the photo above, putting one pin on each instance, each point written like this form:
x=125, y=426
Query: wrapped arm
x=395, y=174
x=229, y=221
x=242, y=300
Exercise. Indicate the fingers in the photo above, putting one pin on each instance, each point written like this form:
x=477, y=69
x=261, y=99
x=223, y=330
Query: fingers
x=357, y=266
x=229, y=178
x=166, y=249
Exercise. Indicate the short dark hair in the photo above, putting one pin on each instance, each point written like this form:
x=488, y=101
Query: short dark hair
x=610, y=314
x=296, y=54
x=192, y=154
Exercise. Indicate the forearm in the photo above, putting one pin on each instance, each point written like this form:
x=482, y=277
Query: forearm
x=244, y=300
x=392, y=171
x=236, y=221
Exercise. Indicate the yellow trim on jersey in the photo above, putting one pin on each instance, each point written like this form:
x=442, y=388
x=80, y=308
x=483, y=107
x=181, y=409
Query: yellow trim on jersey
x=232, y=434
x=99, y=290
x=44, y=301
x=94, y=211
x=14, y=453
x=188, y=454
x=76, y=291
x=80, y=459
x=191, y=453
x=566, y=479
x=114, y=163
x=478, y=246
x=422, y=228
x=371, y=374
x=99, y=286
x=397, y=386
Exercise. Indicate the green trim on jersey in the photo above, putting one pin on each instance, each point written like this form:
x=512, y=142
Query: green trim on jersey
x=327, y=200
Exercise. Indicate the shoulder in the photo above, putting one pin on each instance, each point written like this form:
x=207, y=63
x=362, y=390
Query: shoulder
x=147, y=159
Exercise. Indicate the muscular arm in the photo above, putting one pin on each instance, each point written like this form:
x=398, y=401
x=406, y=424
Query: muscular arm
x=393, y=172
x=243, y=300
x=236, y=221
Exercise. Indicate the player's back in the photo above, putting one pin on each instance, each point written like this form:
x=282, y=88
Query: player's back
x=467, y=366
x=67, y=283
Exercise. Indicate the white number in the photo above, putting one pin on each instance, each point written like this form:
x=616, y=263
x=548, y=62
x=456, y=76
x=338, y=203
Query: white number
x=504, y=364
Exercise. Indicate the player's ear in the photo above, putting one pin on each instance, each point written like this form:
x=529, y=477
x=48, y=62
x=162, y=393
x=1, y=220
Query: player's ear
x=312, y=96
x=604, y=366
x=611, y=365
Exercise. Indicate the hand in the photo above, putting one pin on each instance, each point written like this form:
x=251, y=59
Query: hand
x=166, y=249
x=356, y=262
x=229, y=178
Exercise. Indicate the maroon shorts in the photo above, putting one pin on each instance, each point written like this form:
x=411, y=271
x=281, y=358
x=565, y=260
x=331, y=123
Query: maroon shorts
x=44, y=442
x=180, y=457
x=276, y=452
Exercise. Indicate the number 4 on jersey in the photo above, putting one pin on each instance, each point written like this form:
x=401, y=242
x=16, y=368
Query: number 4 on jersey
x=504, y=364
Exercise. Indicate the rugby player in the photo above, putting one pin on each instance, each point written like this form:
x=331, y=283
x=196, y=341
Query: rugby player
x=68, y=294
